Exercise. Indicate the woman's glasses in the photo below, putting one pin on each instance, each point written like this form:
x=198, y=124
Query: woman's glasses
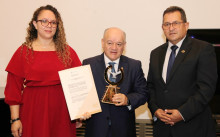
x=45, y=23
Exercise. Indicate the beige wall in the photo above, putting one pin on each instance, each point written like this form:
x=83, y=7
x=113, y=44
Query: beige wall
x=85, y=21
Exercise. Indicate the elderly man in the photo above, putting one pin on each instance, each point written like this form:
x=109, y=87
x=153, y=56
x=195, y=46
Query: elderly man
x=118, y=119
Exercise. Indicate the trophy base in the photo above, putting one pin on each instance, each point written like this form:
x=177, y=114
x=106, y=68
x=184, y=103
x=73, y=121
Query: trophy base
x=111, y=90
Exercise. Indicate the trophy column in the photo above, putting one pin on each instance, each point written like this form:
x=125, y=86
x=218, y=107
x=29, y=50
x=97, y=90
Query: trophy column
x=112, y=88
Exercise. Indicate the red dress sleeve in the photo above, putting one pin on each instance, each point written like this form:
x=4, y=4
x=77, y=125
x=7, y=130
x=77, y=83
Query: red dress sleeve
x=16, y=77
x=13, y=89
x=16, y=64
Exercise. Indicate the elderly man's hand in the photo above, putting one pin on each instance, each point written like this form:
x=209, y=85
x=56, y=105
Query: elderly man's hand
x=120, y=99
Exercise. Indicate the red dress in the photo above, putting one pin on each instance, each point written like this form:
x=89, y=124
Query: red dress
x=33, y=83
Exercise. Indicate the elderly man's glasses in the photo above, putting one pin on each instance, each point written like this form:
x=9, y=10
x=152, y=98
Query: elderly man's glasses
x=45, y=23
x=174, y=24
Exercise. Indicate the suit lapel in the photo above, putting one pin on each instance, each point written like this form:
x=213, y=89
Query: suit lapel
x=184, y=50
x=123, y=63
x=100, y=67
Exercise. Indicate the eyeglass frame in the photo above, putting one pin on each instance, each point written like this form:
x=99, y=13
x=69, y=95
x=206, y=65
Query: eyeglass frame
x=49, y=22
x=174, y=24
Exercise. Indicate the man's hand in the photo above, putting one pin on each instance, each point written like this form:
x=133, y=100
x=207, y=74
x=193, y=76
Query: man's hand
x=174, y=116
x=120, y=99
x=162, y=115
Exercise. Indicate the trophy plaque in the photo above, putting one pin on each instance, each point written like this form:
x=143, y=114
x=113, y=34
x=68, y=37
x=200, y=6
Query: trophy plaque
x=112, y=88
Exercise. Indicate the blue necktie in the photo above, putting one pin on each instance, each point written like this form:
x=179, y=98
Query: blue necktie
x=113, y=70
x=171, y=60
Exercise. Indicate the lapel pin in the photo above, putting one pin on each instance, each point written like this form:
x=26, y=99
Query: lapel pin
x=183, y=51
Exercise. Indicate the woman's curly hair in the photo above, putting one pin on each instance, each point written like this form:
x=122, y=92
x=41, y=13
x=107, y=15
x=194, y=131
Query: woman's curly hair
x=59, y=38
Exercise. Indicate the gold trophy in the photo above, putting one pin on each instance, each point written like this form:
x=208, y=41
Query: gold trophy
x=112, y=88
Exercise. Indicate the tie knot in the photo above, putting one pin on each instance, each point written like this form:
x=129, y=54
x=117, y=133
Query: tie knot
x=111, y=63
x=174, y=47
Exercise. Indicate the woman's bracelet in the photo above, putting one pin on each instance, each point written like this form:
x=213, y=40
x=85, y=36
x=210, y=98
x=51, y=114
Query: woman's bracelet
x=13, y=120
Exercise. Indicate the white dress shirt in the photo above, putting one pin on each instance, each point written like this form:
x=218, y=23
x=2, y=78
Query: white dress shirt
x=169, y=50
x=107, y=60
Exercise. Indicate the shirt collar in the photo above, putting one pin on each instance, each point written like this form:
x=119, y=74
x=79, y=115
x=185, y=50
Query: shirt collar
x=178, y=44
x=107, y=60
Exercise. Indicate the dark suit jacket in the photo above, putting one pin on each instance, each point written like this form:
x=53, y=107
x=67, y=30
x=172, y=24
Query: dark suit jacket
x=134, y=86
x=189, y=88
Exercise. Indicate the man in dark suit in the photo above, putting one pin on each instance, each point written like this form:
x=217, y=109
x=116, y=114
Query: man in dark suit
x=180, y=92
x=118, y=119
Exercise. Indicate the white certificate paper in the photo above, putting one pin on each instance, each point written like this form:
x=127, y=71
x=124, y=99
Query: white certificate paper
x=79, y=91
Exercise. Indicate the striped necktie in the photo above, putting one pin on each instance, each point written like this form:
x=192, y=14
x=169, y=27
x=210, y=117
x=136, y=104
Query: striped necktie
x=113, y=71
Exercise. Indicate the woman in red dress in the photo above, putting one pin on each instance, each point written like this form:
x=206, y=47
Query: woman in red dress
x=33, y=90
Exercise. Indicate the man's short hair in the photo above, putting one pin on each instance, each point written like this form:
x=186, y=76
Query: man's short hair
x=176, y=8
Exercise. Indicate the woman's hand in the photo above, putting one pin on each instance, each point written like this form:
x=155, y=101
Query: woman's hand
x=78, y=123
x=16, y=128
x=85, y=116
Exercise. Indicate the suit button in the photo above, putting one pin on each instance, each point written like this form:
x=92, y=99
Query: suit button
x=109, y=121
x=166, y=91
